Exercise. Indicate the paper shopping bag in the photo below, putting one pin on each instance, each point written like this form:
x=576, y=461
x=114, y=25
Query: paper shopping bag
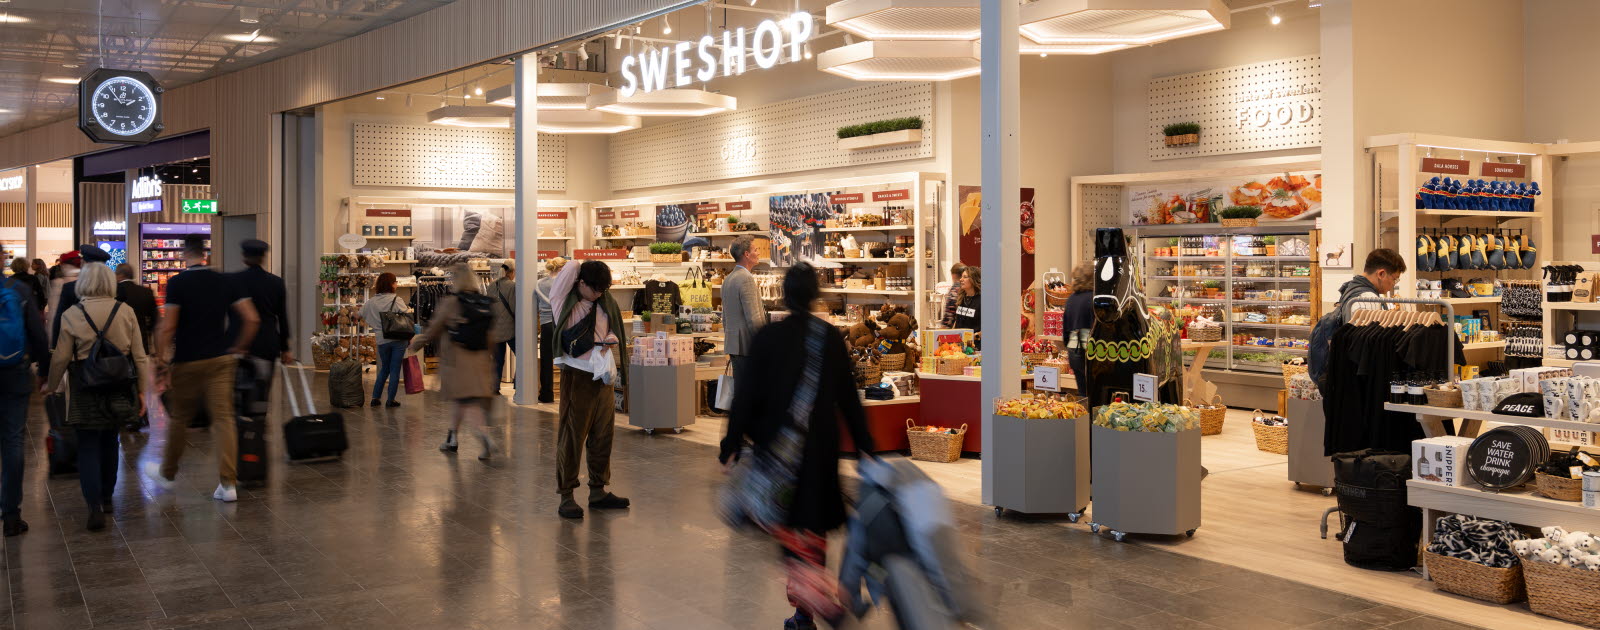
x=725, y=389
x=411, y=371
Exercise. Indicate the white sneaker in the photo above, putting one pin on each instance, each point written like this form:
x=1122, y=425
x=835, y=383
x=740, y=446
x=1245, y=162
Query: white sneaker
x=226, y=494
x=152, y=470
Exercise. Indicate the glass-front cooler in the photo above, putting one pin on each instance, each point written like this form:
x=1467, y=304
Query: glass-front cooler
x=1257, y=287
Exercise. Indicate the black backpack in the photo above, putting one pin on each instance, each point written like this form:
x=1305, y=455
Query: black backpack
x=107, y=367
x=478, y=311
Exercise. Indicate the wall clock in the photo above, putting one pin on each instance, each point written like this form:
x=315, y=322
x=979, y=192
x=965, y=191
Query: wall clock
x=120, y=106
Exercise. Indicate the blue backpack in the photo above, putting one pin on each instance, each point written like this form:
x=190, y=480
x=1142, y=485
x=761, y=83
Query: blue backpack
x=1322, y=338
x=13, y=329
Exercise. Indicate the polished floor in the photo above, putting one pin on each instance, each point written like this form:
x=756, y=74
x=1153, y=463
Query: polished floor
x=398, y=535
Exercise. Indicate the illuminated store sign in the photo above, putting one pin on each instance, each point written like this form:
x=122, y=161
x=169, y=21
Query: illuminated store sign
x=110, y=228
x=660, y=68
x=11, y=183
x=146, y=188
x=148, y=205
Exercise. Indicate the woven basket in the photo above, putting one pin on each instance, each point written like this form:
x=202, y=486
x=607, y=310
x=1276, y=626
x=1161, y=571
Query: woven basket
x=1036, y=358
x=666, y=258
x=892, y=362
x=1291, y=369
x=1559, y=488
x=1211, y=417
x=868, y=372
x=1209, y=333
x=1445, y=398
x=951, y=367
x=1563, y=592
x=934, y=447
x=1462, y=577
x=1238, y=223
x=322, y=359
x=1271, y=439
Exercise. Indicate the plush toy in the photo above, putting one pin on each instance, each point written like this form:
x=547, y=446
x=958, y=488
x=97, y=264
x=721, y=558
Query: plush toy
x=1592, y=563
x=1552, y=556
x=1553, y=532
x=862, y=334
x=1523, y=548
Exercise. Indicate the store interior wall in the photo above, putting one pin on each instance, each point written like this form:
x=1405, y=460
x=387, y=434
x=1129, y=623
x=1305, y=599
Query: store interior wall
x=1560, y=108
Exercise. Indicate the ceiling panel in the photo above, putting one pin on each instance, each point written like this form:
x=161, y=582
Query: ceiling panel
x=178, y=41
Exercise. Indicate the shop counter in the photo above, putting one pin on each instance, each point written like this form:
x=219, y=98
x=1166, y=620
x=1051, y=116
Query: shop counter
x=886, y=423
x=951, y=401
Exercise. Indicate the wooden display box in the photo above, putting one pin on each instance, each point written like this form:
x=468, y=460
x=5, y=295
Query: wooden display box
x=1146, y=483
x=662, y=397
x=1041, y=466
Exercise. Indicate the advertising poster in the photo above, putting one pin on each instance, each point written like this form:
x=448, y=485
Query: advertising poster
x=971, y=243
x=1279, y=197
x=796, y=220
x=672, y=222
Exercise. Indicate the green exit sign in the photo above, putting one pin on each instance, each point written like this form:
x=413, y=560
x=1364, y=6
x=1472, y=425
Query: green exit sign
x=200, y=206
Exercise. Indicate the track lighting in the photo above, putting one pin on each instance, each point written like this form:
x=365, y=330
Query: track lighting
x=666, y=28
x=1274, y=18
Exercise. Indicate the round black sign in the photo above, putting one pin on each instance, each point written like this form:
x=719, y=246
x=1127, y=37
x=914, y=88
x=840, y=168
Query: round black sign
x=1505, y=457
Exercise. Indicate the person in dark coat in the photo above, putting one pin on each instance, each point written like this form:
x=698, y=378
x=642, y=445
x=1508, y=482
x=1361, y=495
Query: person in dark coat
x=69, y=291
x=140, y=298
x=1079, y=316
x=270, y=298
x=777, y=362
x=20, y=272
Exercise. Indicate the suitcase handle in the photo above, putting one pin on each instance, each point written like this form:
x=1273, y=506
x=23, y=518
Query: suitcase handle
x=305, y=386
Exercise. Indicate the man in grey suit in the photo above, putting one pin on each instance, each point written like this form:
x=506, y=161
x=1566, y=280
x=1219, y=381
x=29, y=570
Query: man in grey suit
x=742, y=312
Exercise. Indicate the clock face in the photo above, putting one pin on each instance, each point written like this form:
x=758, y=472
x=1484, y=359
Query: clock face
x=124, y=106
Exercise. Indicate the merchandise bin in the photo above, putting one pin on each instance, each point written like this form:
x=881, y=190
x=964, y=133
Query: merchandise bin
x=1307, y=464
x=661, y=397
x=1145, y=483
x=1041, y=466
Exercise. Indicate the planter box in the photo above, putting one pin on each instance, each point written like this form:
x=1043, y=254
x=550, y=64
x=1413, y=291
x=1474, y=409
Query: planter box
x=1307, y=464
x=661, y=397
x=888, y=139
x=1183, y=140
x=1040, y=466
x=1146, y=483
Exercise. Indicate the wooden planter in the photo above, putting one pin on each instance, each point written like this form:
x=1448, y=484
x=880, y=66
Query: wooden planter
x=887, y=139
x=1239, y=222
x=1183, y=140
x=666, y=258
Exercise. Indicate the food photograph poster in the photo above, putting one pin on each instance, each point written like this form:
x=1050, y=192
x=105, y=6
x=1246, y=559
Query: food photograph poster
x=1279, y=197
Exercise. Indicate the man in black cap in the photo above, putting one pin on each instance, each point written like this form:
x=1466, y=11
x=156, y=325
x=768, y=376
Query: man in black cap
x=69, y=291
x=254, y=376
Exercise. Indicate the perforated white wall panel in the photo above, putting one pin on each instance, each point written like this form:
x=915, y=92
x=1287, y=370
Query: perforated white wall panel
x=437, y=156
x=1102, y=207
x=784, y=137
x=1258, y=107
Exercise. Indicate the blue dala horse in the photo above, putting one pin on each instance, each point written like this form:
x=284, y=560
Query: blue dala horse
x=1128, y=337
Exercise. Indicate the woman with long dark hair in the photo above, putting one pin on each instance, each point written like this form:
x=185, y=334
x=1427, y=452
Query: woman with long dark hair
x=805, y=383
x=390, y=351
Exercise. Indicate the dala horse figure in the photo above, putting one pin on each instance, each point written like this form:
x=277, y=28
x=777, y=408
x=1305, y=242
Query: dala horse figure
x=1128, y=338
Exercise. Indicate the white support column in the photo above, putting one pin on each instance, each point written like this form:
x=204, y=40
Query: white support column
x=527, y=239
x=30, y=210
x=1002, y=239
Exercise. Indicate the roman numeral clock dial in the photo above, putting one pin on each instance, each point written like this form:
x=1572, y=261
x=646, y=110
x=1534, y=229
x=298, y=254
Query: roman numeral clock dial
x=119, y=106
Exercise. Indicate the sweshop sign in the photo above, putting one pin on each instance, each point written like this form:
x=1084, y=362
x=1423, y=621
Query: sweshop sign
x=660, y=68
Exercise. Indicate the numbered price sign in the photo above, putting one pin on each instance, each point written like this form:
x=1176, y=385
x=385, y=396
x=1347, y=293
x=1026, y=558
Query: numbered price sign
x=1144, y=387
x=1047, y=379
x=200, y=206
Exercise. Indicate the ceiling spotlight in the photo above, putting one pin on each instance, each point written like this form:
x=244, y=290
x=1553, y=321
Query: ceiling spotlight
x=63, y=80
x=1274, y=18
x=249, y=15
x=666, y=22
x=478, y=90
x=1043, y=55
x=194, y=170
x=808, y=50
x=616, y=41
x=380, y=97
x=583, y=51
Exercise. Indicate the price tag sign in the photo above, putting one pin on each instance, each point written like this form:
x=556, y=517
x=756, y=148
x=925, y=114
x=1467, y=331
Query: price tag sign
x=1144, y=387
x=1047, y=379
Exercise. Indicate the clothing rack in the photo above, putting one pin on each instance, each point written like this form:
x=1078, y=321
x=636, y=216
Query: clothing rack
x=1450, y=318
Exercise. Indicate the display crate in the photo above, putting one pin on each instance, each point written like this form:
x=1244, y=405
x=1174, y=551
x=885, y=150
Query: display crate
x=1041, y=466
x=1145, y=483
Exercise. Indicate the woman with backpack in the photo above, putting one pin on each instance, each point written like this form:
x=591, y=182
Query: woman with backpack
x=391, y=344
x=102, y=348
x=466, y=371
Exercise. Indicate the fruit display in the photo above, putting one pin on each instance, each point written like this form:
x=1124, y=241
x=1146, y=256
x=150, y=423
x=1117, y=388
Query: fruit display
x=1040, y=407
x=1147, y=417
x=952, y=350
x=1035, y=345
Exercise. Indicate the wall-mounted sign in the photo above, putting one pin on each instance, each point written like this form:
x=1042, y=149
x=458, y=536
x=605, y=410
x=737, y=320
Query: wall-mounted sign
x=847, y=198
x=389, y=212
x=1447, y=167
x=1594, y=243
x=605, y=215
x=662, y=68
x=352, y=241
x=11, y=183
x=148, y=205
x=174, y=228
x=891, y=195
x=146, y=188
x=601, y=254
x=200, y=206
x=1496, y=169
x=110, y=228
x=1266, y=106
x=707, y=208
x=735, y=206
x=630, y=214
x=552, y=214
x=547, y=254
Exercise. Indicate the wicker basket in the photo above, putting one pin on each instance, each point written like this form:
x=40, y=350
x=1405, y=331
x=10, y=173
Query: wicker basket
x=946, y=366
x=1563, y=592
x=1559, y=488
x=1211, y=416
x=322, y=359
x=1205, y=334
x=1462, y=577
x=892, y=362
x=1291, y=369
x=1445, y=398
x=1269, y=438
x=1238, y=223
x=934, y=447
x=666, y=258
x=1035, y=358
x=868, y=372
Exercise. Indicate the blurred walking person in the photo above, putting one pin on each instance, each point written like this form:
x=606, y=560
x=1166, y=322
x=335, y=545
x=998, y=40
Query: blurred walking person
x=391, y=352
x=465, y=367
x=504, y=294
x=21, y=272
x=100, y=342
x=807, y=385
x=141, y=299
x=22, y=336
x=591, y=358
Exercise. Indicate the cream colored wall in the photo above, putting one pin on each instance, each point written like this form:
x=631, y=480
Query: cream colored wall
x=1559, y=107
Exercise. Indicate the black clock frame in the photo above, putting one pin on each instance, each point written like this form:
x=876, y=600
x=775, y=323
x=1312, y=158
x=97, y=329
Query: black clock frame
x=92, y=128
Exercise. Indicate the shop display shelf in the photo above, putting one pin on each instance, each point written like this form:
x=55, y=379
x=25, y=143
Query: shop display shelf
x=1249, y=279
x=1560, y=363
x=1239, y=258
x=1503, y=215
x=1188, y=278
x=555, y=238
x=1273, y=302
x=1050, y=337
x=400, y=262
x=1301, y=327
x=747, y=232
x=1189, y=258
x=162, y=249
x=390, y=238
x=624, y=238
x=1521, y=506
x=1238, y=347
x=1041, y=465
x=869, y=260
x=1487, y=299
x=868, y=292
x=1572, y=306
x=1483, y=345
x=1467, y=414
x=879, y=228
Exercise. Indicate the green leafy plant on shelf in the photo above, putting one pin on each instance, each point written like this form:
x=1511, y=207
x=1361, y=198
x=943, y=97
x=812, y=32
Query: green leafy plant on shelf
x=1181, y=129
x=666, y=247
x=880, y=126
x=1269, y=240
x=1241, y=212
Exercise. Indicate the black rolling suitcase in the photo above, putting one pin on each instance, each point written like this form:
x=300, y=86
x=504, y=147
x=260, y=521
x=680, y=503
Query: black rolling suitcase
x=60, y=442
x=1378, y=528
x=314, y=435
x=251, y=386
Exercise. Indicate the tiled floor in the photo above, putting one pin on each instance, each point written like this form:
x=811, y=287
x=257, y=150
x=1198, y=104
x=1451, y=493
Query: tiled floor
x=398, y=535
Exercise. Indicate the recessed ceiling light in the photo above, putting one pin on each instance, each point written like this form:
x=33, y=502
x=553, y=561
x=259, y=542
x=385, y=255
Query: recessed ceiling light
x=472, y=116
x=63, y=80
x=249, y=15
x=8, y=18
x=252, y=37
x=380, y=97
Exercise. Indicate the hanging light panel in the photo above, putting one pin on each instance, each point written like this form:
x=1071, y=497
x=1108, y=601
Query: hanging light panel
x=472, y=116
x=1119, y=22
x=586, y=121
x=902, y=60
x=906, y=19
x=552, y=96
x=668, y=102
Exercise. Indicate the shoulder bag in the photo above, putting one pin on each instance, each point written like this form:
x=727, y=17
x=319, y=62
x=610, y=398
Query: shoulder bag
x=398, y=325
x=107, y=366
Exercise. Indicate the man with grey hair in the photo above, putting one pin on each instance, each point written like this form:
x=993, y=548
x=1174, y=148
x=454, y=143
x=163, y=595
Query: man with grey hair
x=742, y=312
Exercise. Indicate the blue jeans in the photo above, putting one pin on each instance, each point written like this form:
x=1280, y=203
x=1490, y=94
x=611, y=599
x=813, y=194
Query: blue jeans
x=390, y=353
x=13, y=423
x=97, y=464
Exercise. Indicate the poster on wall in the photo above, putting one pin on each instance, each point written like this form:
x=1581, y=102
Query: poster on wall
x=796, y=220
x=672, y=222
x=971, y=242
x=1278, y=196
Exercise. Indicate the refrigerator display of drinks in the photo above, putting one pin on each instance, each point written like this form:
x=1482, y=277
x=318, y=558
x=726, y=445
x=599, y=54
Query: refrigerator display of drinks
x=161, y=252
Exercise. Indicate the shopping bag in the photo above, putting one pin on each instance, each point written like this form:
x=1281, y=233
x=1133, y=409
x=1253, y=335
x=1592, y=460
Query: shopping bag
x=725, y=389
x=411, y=371
x=695, y=291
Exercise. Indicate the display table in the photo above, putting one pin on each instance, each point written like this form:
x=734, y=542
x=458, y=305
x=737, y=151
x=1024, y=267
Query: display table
x=661, y=397
x=1195, y=385
x=886, y=423
x=951, y=401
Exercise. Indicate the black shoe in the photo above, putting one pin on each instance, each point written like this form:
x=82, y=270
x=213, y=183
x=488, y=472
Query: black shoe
x=798, y=623
x=608, y=502
x=375, y=402
x=97, y=520
x=107, y=507
x=14, y=526
x=569, y=508
x=391, y=404
x=547, y=399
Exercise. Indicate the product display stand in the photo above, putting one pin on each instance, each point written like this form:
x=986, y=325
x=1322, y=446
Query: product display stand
x=661, y=397
x=1145, y=483
x=1194, y=380
x=1041, y=465
x=1307, y=464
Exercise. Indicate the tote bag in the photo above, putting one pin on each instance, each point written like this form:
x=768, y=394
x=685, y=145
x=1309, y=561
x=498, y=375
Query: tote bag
x=695, y=291
x=761, y=487
x=725, y=388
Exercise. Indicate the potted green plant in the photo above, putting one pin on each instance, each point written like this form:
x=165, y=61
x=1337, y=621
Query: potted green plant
x=881, y=133
x=1182, y=134
x=1240, y=216
x=1271, y=243
x=666, y=252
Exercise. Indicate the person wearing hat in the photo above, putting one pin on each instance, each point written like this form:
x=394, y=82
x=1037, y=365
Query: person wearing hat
x=270, y=298
x=504, y=294
x=68, y=294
